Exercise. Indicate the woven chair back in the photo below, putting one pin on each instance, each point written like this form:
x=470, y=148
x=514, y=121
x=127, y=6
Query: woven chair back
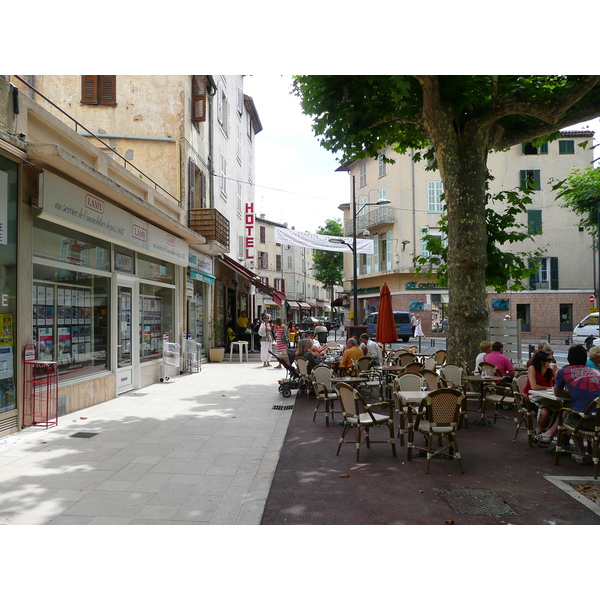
x=408, y=382
x=302, y=365
x=440, y=357
x=488, y=369
x=431, y=378
x=443, y=407
x=406, y=358
x=321, y=375
x=346, y=394
x=413, y=367
x=429, y=363
x=452, y=374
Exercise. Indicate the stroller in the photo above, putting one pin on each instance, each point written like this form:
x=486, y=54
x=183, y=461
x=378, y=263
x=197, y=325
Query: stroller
x=292, y=380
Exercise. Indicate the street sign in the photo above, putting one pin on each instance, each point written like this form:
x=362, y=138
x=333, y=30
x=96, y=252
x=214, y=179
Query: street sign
x=592, y=299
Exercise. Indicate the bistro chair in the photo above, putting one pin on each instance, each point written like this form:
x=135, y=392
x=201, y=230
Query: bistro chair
x=359, y=416
x=430, y=363
x=488, y=369
x=523, y=409
x=406, y=382
x=439, y=416
x=431, y=378
x=304, y=383
x=320, y=378
x=589, y=437
x=374, y=383
x=405, y=358
x=413, y=367
x=452, y=376
x=440, y=358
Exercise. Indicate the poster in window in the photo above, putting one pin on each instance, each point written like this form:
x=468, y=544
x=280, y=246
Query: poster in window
x=41, y=294
x=49, y=296
x=68, y=301
x=60, y=297
x=41, y=315
x=49, y=315
x=64, y=343
x=45, y=343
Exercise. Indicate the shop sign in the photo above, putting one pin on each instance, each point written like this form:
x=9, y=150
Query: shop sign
x=414, y=285
x=67, y=204
x=201, y=262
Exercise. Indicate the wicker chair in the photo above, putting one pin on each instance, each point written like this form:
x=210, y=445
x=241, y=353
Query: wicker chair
x=440, y=358
x=405, y=358
x=432, y=379
x=413, y=367
x=374, y=383
x=452, y=377
x=523, y=409
x=304, y=384
x=498, y=394
x=359, y=416
x=439, y=416
x=488, y=369
x=406, y=382
x=320, y=378
x=430, y=363
x=589, y=436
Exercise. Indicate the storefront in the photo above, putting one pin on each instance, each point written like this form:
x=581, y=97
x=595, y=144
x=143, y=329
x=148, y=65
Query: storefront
x=8, y=294
x=199, y=286
x=106, y=289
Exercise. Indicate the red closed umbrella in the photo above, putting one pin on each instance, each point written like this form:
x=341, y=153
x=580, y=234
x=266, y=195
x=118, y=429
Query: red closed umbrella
x=386, y=326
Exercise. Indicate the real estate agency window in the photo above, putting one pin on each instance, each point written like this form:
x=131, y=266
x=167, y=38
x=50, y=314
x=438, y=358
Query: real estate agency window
x=566, y=146
x=99, y=90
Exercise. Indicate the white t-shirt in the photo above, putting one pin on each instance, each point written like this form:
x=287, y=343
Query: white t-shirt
x=480, y=358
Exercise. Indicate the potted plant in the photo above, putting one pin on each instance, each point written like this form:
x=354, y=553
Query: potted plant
x=216, y=352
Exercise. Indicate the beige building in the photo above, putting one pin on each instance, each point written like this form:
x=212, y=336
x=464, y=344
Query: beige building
x=555, y=299
x=290, y=270
x=123, y=201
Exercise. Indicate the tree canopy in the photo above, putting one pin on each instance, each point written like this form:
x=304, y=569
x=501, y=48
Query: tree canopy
x=457, y=120
x=581, y=193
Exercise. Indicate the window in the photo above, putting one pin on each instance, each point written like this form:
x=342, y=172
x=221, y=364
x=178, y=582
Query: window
x=383, y=251
x=363, y=174
x=566, y=317
x=434, y=191
x=279, y=285
x=289, y=261
x=223, y=112
x=263, y=234
x=534, y=222
x=263, y=260
x=524, y=314
x=156, y=319
x=530, y=179
x=239, y=197
x=425, y=231
x=566, y=146
x=382, y=195
x=239, y=145
x=529, y=148
x=198, y=98
x=240, y=100
x=241, y=246
x=223, y=176
x=382, y=165
x=546, y=276
x=278, y=262
x=99, y=90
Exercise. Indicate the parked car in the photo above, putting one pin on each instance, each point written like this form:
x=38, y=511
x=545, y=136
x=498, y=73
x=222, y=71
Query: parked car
x=585, y=328
x=325, y=321
x=403, y=327
x=308, y=323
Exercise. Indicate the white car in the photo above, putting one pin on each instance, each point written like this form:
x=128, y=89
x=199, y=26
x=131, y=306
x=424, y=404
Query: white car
x=589, y=326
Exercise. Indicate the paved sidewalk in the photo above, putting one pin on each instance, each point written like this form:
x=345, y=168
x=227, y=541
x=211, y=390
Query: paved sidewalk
x=199, y=449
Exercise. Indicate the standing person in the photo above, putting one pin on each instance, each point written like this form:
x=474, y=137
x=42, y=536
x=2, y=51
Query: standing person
x=280, y=330
x=418, y=328
x=242, y=328
x=292, y=332
x=413, y=324
x=266, y=339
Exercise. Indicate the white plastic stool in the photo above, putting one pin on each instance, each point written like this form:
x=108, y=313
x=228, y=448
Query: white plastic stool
x=241, y=346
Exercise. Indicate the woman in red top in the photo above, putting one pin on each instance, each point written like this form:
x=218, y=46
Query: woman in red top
x=540, y=376
x=280, y=329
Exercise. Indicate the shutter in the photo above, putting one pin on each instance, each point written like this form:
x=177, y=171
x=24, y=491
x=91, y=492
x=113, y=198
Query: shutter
x=534, y=222
x=553, y=273
x=198, y=98
x=523, y=179
x=89, y=89
x=278, y=262
x=266, y=261
x=262, y=235
x=532, y=285
x=537, y=180
x=107, y=85
x=203, y=189
x=192, y=184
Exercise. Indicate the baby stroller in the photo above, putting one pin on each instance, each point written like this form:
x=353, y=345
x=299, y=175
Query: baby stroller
x=292, y=379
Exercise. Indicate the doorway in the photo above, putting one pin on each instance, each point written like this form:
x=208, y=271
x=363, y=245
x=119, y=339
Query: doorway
x=128, y=356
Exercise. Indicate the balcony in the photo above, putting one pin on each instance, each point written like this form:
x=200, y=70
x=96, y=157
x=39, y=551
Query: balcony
x=211, y=224
x=381, y=215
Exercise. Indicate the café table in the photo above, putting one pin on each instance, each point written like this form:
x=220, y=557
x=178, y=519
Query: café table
x=350, y=380
x=480, y=380
x=548, y=398
x=412, y=401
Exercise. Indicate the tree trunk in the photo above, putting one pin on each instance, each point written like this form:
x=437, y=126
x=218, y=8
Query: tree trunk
x=462, y=160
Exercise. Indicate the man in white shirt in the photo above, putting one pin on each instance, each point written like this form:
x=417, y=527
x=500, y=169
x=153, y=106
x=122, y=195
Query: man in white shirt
x=371, y=348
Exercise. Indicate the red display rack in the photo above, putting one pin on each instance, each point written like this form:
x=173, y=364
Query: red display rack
x=40, y=390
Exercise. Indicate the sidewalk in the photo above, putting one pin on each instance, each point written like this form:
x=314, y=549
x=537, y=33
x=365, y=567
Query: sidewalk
x=199, y=449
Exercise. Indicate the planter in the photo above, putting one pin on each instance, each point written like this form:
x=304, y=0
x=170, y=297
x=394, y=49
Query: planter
x=216, y=354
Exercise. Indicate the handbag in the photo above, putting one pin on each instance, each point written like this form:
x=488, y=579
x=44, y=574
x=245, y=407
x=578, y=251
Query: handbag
x=248, y=331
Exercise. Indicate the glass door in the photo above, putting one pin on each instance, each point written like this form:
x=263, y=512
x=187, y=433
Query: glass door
x=125, y=354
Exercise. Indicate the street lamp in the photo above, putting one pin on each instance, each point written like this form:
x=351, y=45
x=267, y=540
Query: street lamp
x=352, y=247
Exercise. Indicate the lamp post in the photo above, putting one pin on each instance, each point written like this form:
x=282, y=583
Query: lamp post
x=353, y=246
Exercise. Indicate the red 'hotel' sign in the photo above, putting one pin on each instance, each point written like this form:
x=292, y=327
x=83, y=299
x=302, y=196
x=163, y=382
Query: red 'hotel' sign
x=250, y=234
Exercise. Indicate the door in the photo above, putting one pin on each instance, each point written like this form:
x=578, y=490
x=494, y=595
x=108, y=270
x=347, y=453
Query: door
x=127, y=359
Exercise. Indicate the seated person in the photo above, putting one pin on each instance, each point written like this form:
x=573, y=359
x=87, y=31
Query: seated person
x=568, y=385
x=546, y=347
x=371, y=349
x=352, y=352
x=305, y=350
x=593, y=361
x=501, y=362
x=315, y=343
x=540, y=376
x=484, y=349
x=231, y=333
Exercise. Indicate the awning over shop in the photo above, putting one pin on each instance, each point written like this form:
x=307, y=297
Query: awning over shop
x=304, y=305
x=313, y=305
x=199, y=276
x=278, y=297
x=293, y=305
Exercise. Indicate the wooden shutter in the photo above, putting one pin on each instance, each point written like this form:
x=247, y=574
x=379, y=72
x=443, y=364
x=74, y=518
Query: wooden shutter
x=107, y=88
x=198, y=98
x=553, y=273
x=278, y=262
x=534, y=222
x=202, y=189
x=89, y=89
x=192, y=184
x=263, y=235
x=532, y=277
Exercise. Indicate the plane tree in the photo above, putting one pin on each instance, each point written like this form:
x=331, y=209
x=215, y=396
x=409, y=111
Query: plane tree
x=456, y=121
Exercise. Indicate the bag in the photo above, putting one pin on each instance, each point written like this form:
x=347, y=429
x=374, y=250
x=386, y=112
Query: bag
x=248, y=331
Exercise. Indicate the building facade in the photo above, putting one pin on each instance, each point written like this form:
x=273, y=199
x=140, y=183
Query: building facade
x=555, y=298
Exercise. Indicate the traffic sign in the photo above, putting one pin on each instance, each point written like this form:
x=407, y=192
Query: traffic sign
x=592, y=298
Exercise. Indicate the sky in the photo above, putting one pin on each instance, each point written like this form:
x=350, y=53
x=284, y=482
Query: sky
x=296, y=179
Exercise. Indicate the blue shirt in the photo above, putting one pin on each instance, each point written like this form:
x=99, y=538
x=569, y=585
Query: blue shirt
x=591, y=365
x=571, y=376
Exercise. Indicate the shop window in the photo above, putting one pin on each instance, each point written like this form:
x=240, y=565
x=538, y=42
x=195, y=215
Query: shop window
x=70, y=319
x=155, y=269
x=156, y=320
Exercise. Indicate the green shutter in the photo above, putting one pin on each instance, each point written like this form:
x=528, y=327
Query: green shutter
x=531, y=265
x=544, y=148
x=534, y=221
x=553, y=273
